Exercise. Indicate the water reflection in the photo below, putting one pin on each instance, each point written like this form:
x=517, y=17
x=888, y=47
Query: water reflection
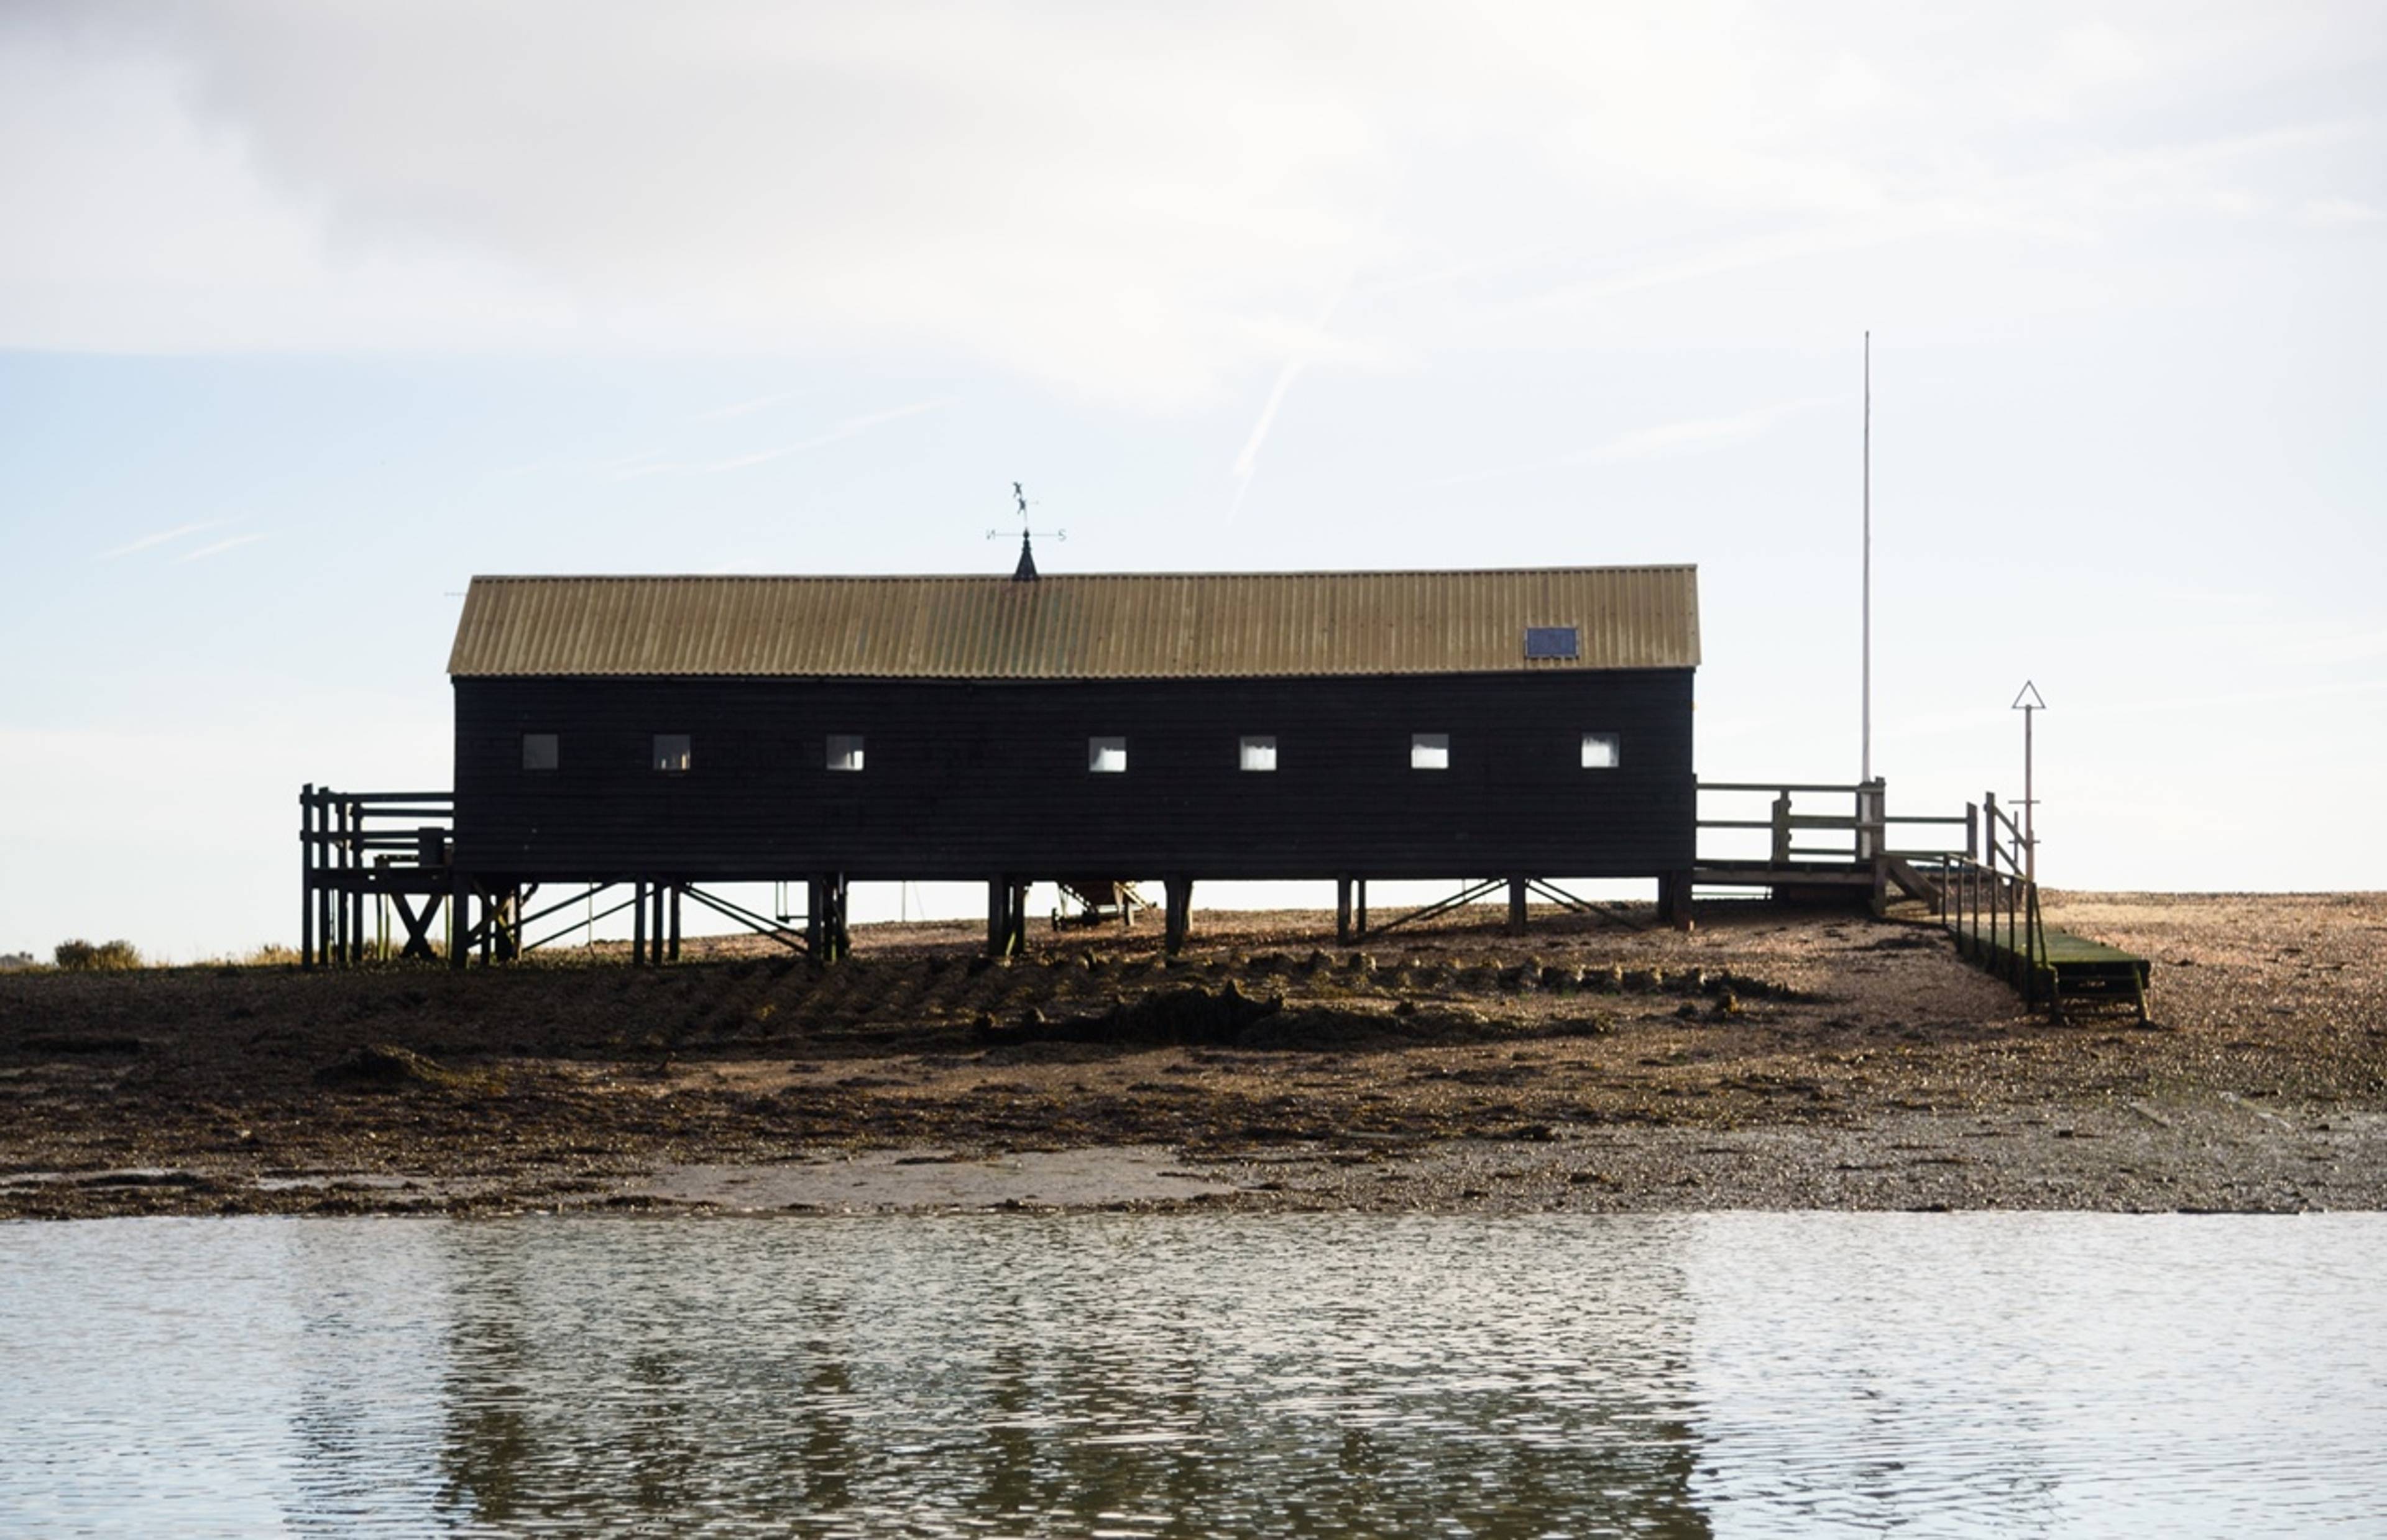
x=1128, y=1376
x=1071, y=1377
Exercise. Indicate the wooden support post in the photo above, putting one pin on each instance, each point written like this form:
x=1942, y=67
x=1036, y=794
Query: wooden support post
x=1180, y=891
x=825, y=929
x=339, y=894
x=333, y=951
x=639, y=924
x=1343, y=911
x=674, y=922
x=1675, y=900
x=352, y=918
x=1781, y=831
x=1359, y=904
x=1515, y=907
x=353, y=859
x=655, y=932
x=307, y=876
x=460, y=927
x=1001, y=936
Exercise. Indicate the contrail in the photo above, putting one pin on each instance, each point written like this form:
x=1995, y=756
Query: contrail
x=1294, y=362
x=220, y=546
x=159, y=539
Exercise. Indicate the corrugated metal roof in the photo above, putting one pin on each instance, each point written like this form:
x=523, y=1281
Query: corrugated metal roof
x=1079, y=626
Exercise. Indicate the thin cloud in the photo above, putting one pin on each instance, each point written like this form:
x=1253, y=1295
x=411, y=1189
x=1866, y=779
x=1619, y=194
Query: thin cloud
x=219, y=548
x=160, y=537
x=853, y=427
x=1664, y=438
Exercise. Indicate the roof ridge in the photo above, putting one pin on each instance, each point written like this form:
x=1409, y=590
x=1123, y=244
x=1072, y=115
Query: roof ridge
x=1306, y=574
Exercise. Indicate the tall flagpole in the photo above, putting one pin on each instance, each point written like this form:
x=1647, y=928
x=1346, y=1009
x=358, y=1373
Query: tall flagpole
x=1864, y=758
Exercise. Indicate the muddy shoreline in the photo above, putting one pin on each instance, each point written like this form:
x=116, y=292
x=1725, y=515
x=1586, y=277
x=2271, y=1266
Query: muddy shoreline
x=1768, y=1059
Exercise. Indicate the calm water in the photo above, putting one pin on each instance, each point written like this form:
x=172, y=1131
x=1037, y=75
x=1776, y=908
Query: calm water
x=1736, y=1374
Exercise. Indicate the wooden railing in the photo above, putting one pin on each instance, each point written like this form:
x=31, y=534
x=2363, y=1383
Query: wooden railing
x=1854, y=838
x=1990, y=901
x=345, y=838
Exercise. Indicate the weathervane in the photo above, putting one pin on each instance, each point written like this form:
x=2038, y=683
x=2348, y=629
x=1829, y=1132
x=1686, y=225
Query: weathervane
x=1025, y=570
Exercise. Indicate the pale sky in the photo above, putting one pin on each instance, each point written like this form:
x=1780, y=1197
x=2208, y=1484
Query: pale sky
x=310, y=311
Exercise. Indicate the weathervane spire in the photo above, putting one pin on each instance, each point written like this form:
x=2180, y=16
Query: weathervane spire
x=1025, y=570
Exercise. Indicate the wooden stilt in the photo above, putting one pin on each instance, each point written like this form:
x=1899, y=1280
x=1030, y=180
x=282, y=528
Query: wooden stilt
x=1179, y=892
x=1006, y=916
x=1343, y=911
x=460, y=928
x=674, y=922
x=1675, y=900
x=1515, y=907
x=639, y=925
x=339, y=899
x=307, y=876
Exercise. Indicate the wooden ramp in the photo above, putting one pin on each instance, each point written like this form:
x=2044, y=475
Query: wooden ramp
x=1990, y=907
x=2054, y=965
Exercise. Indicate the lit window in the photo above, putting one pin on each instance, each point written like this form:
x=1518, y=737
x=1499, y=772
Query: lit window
x=845, y=751
x=1602, y=750
x=1429, y=750
x=670, y=752
x=1106, y=756
x=540, y=751
x=1259, y=753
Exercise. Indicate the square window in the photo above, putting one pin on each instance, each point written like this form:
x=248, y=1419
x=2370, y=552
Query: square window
x=1106, y=756
x=672, y=754
x=1602, y=750
x=845, y=751
x=1258, y=752
x=540, y=751
x=1429, y=750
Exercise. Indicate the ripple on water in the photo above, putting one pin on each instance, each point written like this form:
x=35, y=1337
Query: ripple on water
x=1192, y=1376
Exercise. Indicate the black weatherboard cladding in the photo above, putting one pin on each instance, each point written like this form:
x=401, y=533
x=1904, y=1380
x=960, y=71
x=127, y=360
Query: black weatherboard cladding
x=975, y=781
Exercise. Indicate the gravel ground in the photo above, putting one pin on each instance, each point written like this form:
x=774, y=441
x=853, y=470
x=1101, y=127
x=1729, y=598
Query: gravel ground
x=1769, y=1058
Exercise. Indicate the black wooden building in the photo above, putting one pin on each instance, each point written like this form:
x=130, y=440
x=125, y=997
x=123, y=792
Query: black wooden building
x=1529, y=724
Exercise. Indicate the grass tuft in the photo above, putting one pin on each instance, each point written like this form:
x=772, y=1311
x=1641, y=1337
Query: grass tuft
x=81, y=956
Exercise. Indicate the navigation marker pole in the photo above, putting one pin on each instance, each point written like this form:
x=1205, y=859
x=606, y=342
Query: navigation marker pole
x=2027, y=702
x=1864, y=757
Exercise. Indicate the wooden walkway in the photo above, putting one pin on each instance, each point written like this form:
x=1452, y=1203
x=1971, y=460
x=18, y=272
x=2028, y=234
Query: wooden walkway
x=2054, y=965
x=1990, y=907
x=1985, y=893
